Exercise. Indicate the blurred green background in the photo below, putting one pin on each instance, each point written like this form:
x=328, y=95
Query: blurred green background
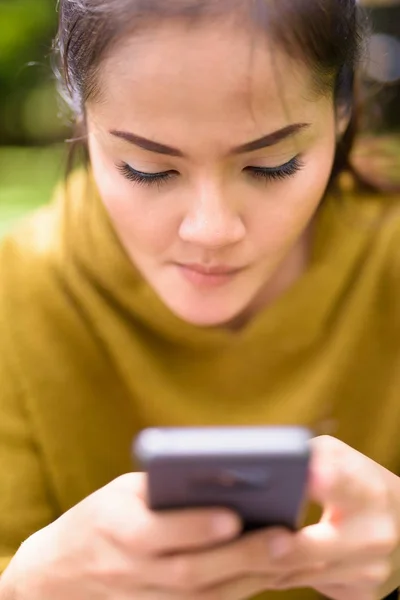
x=33, y=124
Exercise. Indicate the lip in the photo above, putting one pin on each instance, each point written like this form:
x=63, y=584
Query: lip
x=215, y=270
x=208, y=276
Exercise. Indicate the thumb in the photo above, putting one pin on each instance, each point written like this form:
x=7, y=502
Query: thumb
x=135, y=484
x=338, y=479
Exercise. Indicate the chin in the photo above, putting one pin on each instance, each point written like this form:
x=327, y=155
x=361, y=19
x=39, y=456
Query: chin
x=207, y=320
x=205, y=314
x=206, y=307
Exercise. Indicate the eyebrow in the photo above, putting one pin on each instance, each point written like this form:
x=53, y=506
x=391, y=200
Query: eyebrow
x=264, y=142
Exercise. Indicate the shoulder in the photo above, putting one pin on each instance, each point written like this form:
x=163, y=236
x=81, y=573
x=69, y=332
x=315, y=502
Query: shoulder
x=32, y=251
x=378, y=216
x=382, y=257
x=37, y=240
x=362, y=234
x=30, y=242
x=385, y=234
x=388, y=245
x=26, y=257
x=31, y=285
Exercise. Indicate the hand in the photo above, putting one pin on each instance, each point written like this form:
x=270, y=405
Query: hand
x=110, y=546
x=353, y=552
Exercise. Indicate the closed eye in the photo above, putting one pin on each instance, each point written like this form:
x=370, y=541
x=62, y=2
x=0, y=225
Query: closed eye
x=288, y=169
x=145, y=178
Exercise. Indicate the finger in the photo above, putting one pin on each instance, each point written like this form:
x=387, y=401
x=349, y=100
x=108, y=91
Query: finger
x=133, y=483
x=123, y=515
x=371, y=575
x=178, y=531
x=244, y=557
x=343, y=479
x=239, y=589
x=366, y=536
x=343, y=592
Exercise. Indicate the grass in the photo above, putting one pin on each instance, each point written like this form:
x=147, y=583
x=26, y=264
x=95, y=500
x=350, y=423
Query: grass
x=27, y=179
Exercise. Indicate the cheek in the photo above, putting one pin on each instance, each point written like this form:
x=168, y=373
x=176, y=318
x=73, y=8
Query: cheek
x=290, y=205
x=140, y=219
x=139, y=226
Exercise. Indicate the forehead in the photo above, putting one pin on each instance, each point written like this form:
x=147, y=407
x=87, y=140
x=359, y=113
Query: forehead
x=180, y=78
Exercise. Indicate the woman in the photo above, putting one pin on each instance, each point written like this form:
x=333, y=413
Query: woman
x=209, y=267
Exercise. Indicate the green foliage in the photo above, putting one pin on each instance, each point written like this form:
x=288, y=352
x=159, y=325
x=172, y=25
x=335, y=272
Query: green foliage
x=27, y=28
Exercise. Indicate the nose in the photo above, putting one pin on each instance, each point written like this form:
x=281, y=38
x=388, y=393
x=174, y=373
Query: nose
x=212, y=223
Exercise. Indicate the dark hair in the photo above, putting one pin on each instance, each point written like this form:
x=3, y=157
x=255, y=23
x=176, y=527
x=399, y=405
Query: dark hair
x=326, y=34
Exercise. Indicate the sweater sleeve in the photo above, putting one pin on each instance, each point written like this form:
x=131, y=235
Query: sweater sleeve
x=25, y=503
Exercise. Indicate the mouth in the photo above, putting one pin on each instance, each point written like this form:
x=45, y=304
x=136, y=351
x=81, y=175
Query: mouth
x=212, y=276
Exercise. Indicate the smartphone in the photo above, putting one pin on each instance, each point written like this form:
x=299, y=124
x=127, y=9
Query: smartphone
x=261, y=473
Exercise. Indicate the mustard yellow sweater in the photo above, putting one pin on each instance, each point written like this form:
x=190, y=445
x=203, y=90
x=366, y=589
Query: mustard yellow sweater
x=89, y=355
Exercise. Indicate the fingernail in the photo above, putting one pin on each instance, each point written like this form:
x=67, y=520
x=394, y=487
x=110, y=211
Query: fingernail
x=225, y=524
x=279, y=547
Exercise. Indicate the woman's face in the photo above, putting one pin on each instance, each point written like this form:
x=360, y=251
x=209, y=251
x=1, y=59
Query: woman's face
x=211, y=154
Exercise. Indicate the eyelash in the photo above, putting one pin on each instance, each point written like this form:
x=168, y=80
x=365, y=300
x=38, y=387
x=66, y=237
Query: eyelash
x=289, y=169
x=145, y=178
